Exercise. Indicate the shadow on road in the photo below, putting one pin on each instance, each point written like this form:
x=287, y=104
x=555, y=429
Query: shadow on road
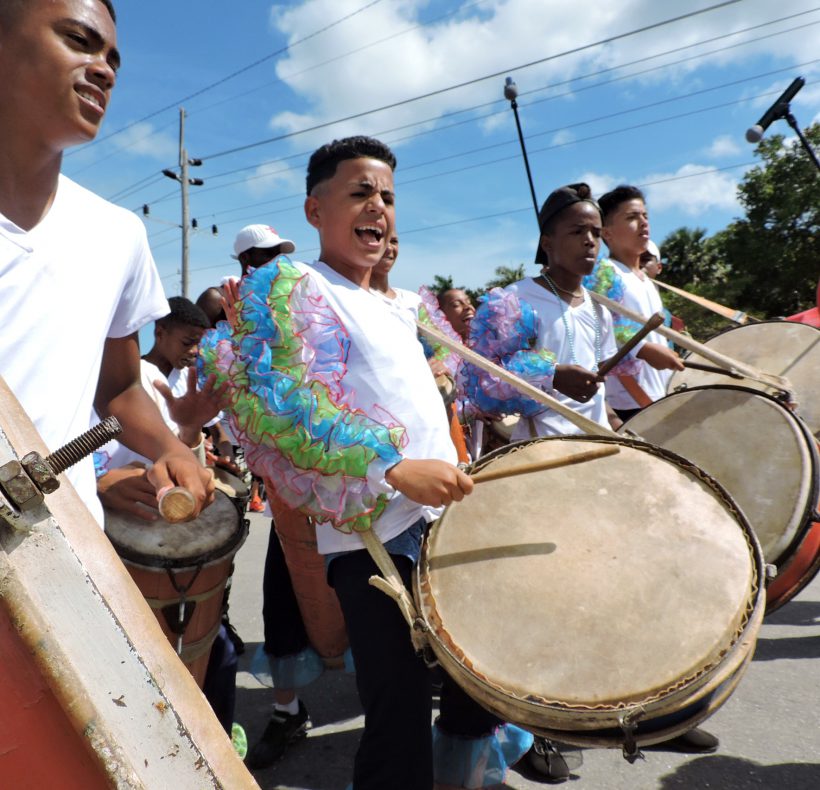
x=731, y=773
x=787, y=647
x=796, y=613
x=324, y=760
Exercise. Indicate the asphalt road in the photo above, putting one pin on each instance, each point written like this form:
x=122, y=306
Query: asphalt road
x=769, y=729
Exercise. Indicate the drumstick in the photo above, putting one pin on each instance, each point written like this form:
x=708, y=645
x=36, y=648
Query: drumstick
x=550, y=463
x=652, y=324
x=738, y=316
x=176, y=504
x=584, y=423
x=711, y=369
x=684, y=341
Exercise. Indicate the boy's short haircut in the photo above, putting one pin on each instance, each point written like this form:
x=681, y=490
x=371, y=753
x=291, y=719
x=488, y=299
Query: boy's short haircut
x=184, y=313
x=10, y=10
x=324, y=161
x=612, y=199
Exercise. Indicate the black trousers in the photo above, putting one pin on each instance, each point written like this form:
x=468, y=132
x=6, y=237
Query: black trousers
x=394, y=684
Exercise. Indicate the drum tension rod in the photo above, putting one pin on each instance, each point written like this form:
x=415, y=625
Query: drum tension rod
x=628, y=724
x=25, y=482
x=182, y=608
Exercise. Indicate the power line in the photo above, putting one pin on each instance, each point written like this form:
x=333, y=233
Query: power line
x=476, y=80
x=236, y=73
x=347, y=54
x=597, y=119
x=609, y=133
x=525, y=209
x=538, y=90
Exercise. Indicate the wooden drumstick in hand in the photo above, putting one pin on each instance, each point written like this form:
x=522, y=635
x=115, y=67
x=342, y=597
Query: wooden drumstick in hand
x=652, y=324
x=549, y=463
x=176, y=504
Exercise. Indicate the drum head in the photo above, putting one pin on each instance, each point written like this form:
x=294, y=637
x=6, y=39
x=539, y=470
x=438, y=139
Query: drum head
x=753, y=446
x=783, y=348
x=601, y=585
x=216, y=532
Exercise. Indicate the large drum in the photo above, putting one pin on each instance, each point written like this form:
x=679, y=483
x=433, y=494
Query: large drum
x=783, y=348
x=611, y=602
x=182, y=570
x=764, y=456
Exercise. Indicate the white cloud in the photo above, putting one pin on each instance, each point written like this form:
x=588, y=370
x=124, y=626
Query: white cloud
x=600, y=183
x=143, y=139
x=708, y=189
x=563, y=137
x=276, y=176
x=490, y=37
x=723, y=146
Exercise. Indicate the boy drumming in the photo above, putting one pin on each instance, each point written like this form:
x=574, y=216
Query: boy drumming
x=334, y=400
x=559, y=336
x=626, y=233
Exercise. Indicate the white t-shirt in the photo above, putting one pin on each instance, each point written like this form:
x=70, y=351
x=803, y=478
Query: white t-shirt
x=640, y=295
x=406, y=303
x=83, y=274
x=589, y=326
x=386, y=372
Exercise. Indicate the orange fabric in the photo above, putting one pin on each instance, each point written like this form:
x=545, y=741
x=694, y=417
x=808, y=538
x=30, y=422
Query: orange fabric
x=457, y=435
x=636, y=391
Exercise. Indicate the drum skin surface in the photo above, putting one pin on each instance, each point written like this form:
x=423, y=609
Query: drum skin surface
x=573, y=595
x=215, y=532
x=756, y=448
x=783, y=348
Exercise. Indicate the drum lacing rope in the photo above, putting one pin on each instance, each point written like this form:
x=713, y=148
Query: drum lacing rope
x=393, y=586
x=182, y=590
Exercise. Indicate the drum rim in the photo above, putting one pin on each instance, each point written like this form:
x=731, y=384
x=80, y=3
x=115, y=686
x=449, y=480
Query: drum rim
x=726, y=330
x=244, y=494
x=756, y=596
x=810, y=508
x=190, y=561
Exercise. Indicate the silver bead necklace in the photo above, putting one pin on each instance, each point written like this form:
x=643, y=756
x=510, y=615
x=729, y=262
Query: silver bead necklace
x=571, y=335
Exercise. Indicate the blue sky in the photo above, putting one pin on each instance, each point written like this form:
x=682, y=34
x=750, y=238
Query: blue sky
x=674, y=120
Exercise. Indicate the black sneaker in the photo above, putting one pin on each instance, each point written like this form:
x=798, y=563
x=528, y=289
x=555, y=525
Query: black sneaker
x=283, y=729
x=696, y=741
x=545, y=758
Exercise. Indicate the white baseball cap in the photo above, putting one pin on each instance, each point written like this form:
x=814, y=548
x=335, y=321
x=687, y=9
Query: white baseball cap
x=652, y=248
x=262, y=236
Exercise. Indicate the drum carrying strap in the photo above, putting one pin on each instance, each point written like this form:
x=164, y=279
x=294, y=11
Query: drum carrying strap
x=393, y=586
x=635, y=391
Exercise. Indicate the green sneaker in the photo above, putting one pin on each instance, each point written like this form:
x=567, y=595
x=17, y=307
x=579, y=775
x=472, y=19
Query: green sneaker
x=239, y=740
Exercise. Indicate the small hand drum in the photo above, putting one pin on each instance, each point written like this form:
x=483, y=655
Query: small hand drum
x=182, y=570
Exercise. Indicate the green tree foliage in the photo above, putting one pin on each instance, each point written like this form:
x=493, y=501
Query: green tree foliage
x=505, y=275
x=694, y=262
x=766, y=263
x=774, y=251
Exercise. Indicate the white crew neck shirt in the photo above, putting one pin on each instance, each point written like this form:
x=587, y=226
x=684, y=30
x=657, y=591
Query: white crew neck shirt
x=84, y=273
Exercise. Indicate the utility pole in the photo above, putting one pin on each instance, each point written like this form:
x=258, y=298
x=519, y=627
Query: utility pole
x=185, y=182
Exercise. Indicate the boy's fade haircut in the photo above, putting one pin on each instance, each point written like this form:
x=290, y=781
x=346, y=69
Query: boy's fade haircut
x=324, y=161
x=612, y=199
x=184, y=313
x=10, y=10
